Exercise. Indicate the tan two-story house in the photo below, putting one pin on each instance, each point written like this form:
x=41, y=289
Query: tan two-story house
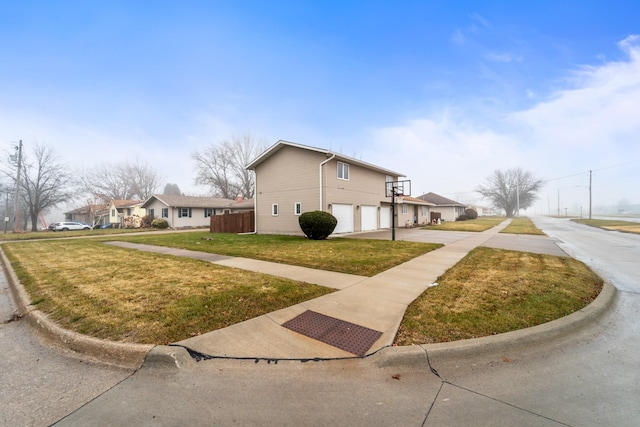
x=293, y=178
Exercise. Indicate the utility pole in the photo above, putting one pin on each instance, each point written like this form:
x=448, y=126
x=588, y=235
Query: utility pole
x=6, y=213
x=590, y=194
x=16, y=212
x=518, y=197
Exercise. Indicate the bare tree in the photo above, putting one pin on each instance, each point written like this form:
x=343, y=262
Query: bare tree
x=511, y=189
x=121, y=181
x=44, y=182
x=145, y=180
x=221, y=166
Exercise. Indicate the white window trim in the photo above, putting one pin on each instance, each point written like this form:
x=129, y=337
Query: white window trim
x=405, y=209
x=297, y=208
x=345, y=167
x=274, y=209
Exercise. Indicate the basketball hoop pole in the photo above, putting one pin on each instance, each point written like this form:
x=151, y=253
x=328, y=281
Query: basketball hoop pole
x=393, y=215
x=393, y=189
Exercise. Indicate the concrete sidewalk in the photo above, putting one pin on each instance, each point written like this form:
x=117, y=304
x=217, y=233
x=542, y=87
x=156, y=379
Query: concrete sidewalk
x=377, y=303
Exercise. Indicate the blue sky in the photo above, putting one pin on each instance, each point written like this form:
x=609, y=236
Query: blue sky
x=442, y=91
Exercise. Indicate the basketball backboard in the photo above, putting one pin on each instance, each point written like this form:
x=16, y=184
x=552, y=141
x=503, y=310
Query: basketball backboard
x=397, y=188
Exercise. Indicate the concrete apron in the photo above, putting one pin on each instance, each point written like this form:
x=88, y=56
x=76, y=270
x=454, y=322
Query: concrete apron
x=378, y=303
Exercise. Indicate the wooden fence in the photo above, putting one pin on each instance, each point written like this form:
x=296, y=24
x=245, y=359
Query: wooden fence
x=233, y=223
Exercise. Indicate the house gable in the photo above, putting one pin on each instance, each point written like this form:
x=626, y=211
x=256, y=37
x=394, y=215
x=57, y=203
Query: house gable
x=292, y=179
x=449, y=209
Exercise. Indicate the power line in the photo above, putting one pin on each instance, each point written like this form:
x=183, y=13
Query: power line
x=589, y=171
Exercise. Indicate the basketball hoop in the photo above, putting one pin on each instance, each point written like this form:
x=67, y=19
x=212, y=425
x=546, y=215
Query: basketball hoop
x=397, y=188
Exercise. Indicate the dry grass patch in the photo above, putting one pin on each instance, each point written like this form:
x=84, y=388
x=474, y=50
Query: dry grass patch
x=477, y=225
x=352, y=256
x=611, y=224
x=522, y=226
x=130, y=296
x=492, y=291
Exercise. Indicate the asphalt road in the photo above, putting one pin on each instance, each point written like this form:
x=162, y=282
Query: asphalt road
x=40, y=384
x=591, y=378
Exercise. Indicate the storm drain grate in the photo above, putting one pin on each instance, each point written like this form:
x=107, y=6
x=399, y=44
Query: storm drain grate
x=346, y=336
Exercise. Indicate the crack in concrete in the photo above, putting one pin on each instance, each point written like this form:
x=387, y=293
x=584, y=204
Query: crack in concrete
x=14, y=318
x=446, y=382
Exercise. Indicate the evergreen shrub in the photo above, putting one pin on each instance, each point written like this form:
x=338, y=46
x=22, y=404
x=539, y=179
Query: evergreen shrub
x=317, y=225
x=159, y=223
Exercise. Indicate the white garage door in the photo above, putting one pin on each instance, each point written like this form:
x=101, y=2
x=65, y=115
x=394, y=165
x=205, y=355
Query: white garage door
x=369, y=218
x=385, y=217
x=344, y=215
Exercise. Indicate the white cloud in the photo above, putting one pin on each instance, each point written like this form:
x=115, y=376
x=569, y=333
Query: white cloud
x=478, y=21
x=503, y=57
x=591, y=125
x=458, y=37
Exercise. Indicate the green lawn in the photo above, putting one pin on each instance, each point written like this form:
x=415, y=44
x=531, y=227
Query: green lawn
x=521, y=225
x=478, y=224
x=353, y=256
x=132, y=296
x=612, y=224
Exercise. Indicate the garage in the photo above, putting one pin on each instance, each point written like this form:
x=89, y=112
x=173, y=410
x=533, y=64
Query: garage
x=385, y=217
x=369, y=218
x=344, y=215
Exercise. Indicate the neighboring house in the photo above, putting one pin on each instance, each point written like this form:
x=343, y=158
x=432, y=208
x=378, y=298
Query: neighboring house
x=89, y=214
x=445, y=209
x=483, y=210
x=413, y=211
x=119, y=210
x=292, y=179
x=192, y=211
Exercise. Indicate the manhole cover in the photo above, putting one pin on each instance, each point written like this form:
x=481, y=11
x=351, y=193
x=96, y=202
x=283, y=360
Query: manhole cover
x=346, y=336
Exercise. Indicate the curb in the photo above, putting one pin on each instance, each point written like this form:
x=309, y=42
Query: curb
x=416, y=355
x=124, y=355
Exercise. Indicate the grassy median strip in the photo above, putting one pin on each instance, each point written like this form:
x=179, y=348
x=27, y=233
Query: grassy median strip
x=353, y=256
x=493, y=291
x=522, y=226
x=612, y=224
x=478, y=224
x=131, y=296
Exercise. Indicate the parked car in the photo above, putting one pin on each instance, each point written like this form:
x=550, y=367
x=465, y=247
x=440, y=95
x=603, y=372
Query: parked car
x=69, y=225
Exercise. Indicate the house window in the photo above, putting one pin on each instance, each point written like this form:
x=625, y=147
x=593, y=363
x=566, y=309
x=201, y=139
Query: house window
x=274, y=209
x=184, y=212
x=113, y=212
x=165, y=212
x=343, y=171
x=297, y=208
x=128, y=212
x=423, y=209
x=209, y=212
x=405, y=209
x=150, y=212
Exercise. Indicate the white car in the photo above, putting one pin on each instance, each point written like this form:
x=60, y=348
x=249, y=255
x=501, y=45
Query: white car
x=70, y=225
